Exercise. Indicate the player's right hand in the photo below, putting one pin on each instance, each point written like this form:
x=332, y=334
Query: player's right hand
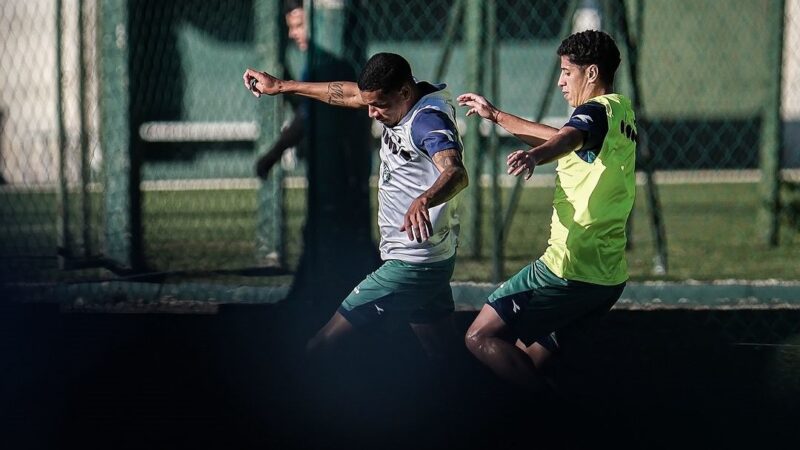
x=478, y=104
x=417, y=221
x=261, y=83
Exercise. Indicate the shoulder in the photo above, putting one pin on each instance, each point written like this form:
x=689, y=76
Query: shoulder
x=433, y=130
x=431, y=120
x=589, y=115
x=614, y=103
x=592, y=107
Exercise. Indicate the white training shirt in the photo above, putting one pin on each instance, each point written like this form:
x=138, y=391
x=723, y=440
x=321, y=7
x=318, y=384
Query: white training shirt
x=407, y=170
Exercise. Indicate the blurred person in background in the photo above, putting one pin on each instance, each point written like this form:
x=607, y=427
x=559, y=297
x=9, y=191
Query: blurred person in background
x=341, y=180
x=292, y=134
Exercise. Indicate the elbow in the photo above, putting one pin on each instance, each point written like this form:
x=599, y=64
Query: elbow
x=463, y=179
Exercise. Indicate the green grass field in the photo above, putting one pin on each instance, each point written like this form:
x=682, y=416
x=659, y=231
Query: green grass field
x=711, y=234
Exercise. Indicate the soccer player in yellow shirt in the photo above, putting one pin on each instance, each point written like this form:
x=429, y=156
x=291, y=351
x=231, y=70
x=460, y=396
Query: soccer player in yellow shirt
x=583, y=270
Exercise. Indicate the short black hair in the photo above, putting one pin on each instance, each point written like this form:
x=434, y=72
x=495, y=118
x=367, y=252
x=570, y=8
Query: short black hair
x=592, y=47
x=291, y=5
x=385, y=72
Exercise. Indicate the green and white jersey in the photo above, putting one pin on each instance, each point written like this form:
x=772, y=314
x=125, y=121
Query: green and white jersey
x=595, y=188
x=407, y=170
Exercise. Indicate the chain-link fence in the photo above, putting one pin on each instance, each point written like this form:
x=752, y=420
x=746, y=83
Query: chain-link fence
x=50, y=159
x=128, y=144
x=705, y=77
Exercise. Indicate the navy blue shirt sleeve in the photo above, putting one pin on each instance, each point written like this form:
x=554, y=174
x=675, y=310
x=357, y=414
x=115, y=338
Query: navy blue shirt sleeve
x=433, y=132
x=592, y=120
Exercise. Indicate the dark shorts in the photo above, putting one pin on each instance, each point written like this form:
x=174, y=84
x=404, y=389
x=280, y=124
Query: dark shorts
x=401, y=292
x=536, y=303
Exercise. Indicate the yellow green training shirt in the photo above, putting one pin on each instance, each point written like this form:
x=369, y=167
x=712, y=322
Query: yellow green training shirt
x=595, y=188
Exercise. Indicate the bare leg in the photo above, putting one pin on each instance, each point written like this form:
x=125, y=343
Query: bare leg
x=437, y=338
x=536, y=352
x=331, y=335
x=490, y=340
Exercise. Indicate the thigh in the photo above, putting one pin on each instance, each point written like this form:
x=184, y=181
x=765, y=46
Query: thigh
x=585, y=332
x=556, y=308
x=398, y=293
x=550, y=303
x=488, y=323
x=336, y=330
x=431, y=307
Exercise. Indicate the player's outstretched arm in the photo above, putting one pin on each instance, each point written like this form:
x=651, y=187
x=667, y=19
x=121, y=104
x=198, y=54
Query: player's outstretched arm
x=531, y=133
x=522, y=162
x=337, y=93
x=452, y=180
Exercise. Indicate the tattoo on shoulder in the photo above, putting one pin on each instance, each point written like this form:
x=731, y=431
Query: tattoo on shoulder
x=336, y=93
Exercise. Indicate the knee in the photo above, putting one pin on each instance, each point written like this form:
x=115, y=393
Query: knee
x=312, y=345
x=474, y=340
x=317, y=344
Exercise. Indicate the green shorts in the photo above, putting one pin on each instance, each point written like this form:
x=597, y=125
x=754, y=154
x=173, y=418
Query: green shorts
x=536, y=303
x=401, y=292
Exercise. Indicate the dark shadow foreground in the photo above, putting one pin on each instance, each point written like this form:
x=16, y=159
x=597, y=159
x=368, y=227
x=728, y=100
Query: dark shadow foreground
x=237, y=380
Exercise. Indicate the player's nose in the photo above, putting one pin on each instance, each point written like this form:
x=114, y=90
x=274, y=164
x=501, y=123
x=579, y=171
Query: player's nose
x=373, y=112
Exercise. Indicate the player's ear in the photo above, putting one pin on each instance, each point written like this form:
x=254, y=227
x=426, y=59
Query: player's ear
x=592, y=73
x=405, y=92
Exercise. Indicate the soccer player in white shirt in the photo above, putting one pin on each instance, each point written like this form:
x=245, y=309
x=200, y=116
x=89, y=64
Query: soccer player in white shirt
x=421, y=173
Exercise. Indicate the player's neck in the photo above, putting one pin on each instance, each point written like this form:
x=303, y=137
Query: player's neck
x=416, y=94
x=596, y=91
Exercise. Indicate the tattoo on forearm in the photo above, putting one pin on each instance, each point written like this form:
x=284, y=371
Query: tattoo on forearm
x=452, y=179
x=336, y=93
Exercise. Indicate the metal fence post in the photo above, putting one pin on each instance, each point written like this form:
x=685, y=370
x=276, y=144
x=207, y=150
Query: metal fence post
x=493, y=62
x=771, y=132
x=85, y=205
x=472, y=208
x=64, y=236
x=123, y=211
x=270, y=239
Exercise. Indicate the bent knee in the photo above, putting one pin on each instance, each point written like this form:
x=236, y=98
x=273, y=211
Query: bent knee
x=474, y=339
x=313, y=345
x=320, y=342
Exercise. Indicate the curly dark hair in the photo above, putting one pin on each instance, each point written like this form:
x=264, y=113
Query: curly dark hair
x=385, y=72
x=592, y=47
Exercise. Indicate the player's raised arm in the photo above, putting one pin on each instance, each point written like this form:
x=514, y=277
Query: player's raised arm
x=531, y=133
x=337, y=93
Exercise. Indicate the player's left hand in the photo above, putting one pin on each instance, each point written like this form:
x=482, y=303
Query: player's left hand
x=520, y=162
x=417, y=221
